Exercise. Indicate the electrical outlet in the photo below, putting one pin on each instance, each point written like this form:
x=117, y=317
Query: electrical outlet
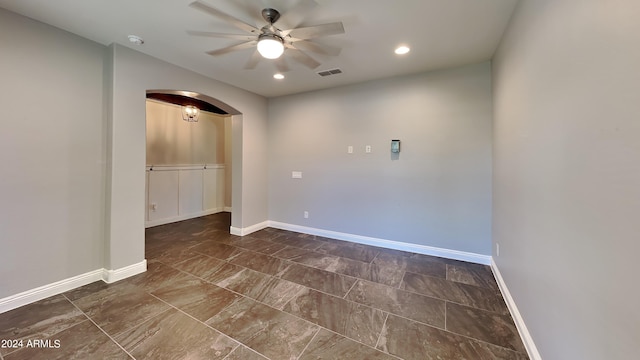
x=367, y=149
x=497, y=249
x=306, y=214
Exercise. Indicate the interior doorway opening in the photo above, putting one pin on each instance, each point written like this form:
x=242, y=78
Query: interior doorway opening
x=189, y=162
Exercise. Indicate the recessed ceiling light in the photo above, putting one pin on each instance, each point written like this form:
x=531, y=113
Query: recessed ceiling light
x=278, y=76
x=401, y=50
x=136, y=40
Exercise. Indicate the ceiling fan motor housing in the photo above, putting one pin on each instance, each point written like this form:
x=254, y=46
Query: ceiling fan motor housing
x=270, y=15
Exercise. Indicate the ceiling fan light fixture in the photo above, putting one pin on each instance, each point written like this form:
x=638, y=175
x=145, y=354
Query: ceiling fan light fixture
x=270, y=46
x=403, y=49
x=278, y=76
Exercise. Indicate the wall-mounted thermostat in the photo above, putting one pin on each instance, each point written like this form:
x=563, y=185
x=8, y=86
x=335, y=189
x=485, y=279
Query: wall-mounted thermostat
x=395, y=146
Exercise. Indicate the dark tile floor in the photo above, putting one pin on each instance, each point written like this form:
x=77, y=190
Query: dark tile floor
x=272, y=295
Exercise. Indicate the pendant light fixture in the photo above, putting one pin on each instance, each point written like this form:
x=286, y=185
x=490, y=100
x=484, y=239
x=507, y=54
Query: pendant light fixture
x=190, y=113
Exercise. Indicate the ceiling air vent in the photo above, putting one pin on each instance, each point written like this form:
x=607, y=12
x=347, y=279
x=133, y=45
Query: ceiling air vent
x=329, y=72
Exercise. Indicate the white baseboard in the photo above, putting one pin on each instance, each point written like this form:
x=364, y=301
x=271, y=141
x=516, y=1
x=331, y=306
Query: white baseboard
x=58, y=287
x=227, y=209
x=248, y=230
x=388, y=244
x=170, y=220
x=532, y=350
x=111, y=276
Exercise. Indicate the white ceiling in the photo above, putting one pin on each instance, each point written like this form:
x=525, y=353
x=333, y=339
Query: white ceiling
x=441, y=34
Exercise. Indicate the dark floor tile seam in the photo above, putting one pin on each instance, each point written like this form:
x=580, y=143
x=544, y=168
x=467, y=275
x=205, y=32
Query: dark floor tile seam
x=351, y=339
x=497, y=290
x=483, y=341
x=375, y=257
x=290, y=262
x=384, y=323
x=230, y=290
x=399, y=286
x=445, y=314
x=451, y=332
x=320, y=326
x=497, y=293
x=201, y=322
x=277, y=275
x=310, y=341
x=250, y=349
x=457, y=303
x=100, y=328
x=408, y=291
x=319, y=253
x=245, y=268
x=386, y=312
x=240, y=295
x=351, y=288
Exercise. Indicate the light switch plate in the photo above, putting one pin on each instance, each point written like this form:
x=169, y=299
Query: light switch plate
x=296, y=174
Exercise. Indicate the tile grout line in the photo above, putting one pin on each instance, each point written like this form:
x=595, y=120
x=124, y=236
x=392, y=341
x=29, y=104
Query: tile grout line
x=99, y=327
x=193, y=318
x=399, y=287
x=445, y=315
x=309, y=343
x=266, y=274
x=374, y=258
x=231, y=352
x=357, y=279
x=351, y=288
x=308, y=288
x=384, y=323
x=243, y=295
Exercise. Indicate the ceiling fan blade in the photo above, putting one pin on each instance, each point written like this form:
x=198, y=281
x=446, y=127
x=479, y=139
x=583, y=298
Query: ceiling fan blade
x=253, y=60
x=294, y=16
x=228, y=49
x=220, y=35
x=224, y=16
x=281, y=64
x=250, y=8
x=303, y=58
x=318, y=48
x=305, y=33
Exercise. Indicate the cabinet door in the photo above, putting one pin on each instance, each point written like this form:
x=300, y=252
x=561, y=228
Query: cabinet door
x=210, y=178
x=163, y=194
x=190, y=196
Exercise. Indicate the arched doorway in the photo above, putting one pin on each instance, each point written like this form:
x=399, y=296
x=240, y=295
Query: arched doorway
x=189, y=163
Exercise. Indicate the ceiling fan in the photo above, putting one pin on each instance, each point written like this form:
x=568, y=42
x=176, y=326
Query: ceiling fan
x=271, y=41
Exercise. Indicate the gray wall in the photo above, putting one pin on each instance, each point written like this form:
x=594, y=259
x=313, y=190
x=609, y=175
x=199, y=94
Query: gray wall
x=134, y=73
x=567, y=174
x=437, y=192
x=52, y=154
x=72, y=151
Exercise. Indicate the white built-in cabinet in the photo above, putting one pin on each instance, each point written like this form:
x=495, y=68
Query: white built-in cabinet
x=176, y=193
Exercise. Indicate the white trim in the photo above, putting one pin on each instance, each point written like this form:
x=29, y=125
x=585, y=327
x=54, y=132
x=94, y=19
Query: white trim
x=227, y=209
x=248, y=230
x=43, y=292
x=58, y=287
x=111, y=276
x=170, y=220
x=388, y=244
x=184, y=167
x=532, y=350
